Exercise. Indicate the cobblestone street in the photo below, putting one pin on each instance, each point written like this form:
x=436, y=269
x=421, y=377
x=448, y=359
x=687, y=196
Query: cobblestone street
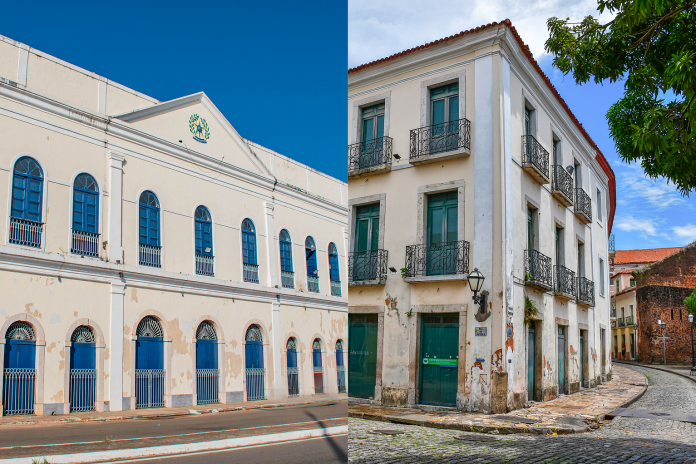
x=624, y=439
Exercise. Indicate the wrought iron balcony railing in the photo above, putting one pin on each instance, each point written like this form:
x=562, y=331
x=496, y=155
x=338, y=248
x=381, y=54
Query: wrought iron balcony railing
x=369, y=154
x=367, y=265
x=562, y=184
x=613, y=323
x=287, y=279
x=204, y=265
x=583, y=204
x=535, y=156
x=84, y=243
x=25, y=232
x=251, y=273
x=335, y=288
x=628, y=320
x=585, y=292
x=612, y=243
x=613, y=309
x=150, y=255
x=313, y=284
x=537, y=270
x=620, y=322
x=433, y=259
x=564, y=281
x=440, y=138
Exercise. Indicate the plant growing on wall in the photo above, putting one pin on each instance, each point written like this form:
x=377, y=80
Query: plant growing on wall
x=403, y=272
x=690, y=302
x=530, y=310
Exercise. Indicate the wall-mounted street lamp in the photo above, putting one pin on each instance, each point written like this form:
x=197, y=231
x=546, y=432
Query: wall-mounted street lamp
x=691, y=323
x=663, y=324
x=475, y=283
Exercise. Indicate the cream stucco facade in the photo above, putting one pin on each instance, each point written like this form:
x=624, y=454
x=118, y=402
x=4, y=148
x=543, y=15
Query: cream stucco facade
x=71, y=121
x=498, y=190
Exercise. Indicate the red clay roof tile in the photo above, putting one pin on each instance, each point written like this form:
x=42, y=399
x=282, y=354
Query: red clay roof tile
x=643, y=256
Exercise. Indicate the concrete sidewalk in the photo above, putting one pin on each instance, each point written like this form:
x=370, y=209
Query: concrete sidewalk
x=156, y=413
x=679, y=369
x=580, y=412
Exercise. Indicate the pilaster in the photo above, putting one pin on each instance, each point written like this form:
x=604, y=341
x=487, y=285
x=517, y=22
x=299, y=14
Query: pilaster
x=278, y=388
x=116, y=162
x=270, y=242
x=115, y=344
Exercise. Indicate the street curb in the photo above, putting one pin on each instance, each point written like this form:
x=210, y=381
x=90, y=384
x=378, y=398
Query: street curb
x=650, y=366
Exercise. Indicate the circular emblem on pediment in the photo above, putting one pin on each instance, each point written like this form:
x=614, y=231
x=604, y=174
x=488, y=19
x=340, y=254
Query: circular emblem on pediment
x=199, y=128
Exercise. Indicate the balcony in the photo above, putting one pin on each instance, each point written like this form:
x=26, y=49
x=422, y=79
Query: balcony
x=84, y=243
x=628, y=321
x=149, y=255
x=585, y=292
x=537, y=270
x=562, y=185
x=535, y=159
x=313, y=284
x=204, y=265
x=613, y=323
x=367, y=267
x=620, y=322
x=370, y=157
x=25, y=232
x=613, y=309
x=287, y=279
x=437, y=261
x=251, y=273
x=335, y=288
x=440, y=142
x=583, y=206
x=564, y=282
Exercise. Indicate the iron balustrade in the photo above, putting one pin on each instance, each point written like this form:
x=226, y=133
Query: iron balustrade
x=440, y=138
x=367, y=265
x=335, y=288
x=82, y=388
x=562, y=181
x=432, y=259
x=621, y=322
x=19, y=385
x=612, y=243
x=149, y=388
x=251, y=273
x=537, y=269
x=85, y=243
x=207, y=386
x=25, y=232
x=293, y=381
x=613, y=309
x=318, y=379
x=150, y=255
x=255, y=384
x=583, y=204
x=313, y=284
x=369, y=154
x=613, y=324
x=287, y=279
x=585, y=289
x=533, y=153
x=564, y=280
x=628, y=320
x=341, y=374
x=204, y=265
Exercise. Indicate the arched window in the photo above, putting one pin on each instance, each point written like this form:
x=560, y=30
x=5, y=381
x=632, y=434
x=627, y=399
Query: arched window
x=312, y=270
x=149, y=230
x=204, y=242
x=340, y=367
x=150, y=376
x=19, y=369
x=255, y=372
x=287, y=275
x=334, y=271
x=318, y=367
x=206, y=331
x=27, y=198
x=20, y=330
x=85, y=223
x=207, y=369
x=293, y=370
x=250, y=264
x=83, y=372
x=149, y=327
x=83, y=334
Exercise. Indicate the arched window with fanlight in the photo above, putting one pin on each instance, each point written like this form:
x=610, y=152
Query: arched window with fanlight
x=27, y=203
x=149, y=230
x=150, y=375
x=312, y=270
x=85, y=216
x=255, y=371
x=293, y=370
x=207, y=366
x=287, y=273
x=204, y=242
x=249, y=249
x=19, y=369
x=318, y=366
x=334, y=273
x=83, y=372
x=340, y=367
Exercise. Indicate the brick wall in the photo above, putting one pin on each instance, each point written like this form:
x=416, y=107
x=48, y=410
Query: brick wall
x=677, y=270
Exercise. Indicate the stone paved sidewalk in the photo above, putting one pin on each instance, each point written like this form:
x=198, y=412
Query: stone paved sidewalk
x=681, y=369
x=580, y=412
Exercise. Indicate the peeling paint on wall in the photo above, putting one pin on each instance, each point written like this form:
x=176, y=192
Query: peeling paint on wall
x=55, y=319
x=35, y=313
x=134, y=294
x=233, y=365
x=58, y=397
x=50, y=347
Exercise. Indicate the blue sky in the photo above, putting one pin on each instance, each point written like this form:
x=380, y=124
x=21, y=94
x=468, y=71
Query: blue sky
x=274, y=68
x=649, y=214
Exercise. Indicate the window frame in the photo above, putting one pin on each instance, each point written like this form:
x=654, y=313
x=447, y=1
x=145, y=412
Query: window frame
x=250, y=236
x=331, y=267
x=97, y=194
x=212, y=232
x=280, y=250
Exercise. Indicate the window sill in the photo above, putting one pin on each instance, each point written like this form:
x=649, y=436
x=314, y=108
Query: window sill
x=437, y=278
x=380, y=168
x=442, y=156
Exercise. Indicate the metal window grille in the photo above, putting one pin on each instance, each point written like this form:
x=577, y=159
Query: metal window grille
x=369, y=154
x=318, y=379
x=204, y=265
x=585, y=289
x=84, y=243
x=82, y=389
x=25, y=232
x=293, y=381
x=150, y=255
x=255, y=384
x=149, y=388
x=562, y=181
x=612, y=243
x=207, y=385
x=20, y=330
x=438, y=138
x=335, y=288
x=19, y=385
x=537, y=268
x=251, y=273
x=367, y=265
x=287, y=279
x=445, y=258
x=313, y=284
x=149, y=327
x=534, y=154
x=613, y=309
x=341, y=373
x=206, y=331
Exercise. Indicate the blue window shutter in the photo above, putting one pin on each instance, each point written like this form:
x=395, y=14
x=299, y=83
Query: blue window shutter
x=144, y=226
x=78, y=210
x=285, y=256
x=154, y=227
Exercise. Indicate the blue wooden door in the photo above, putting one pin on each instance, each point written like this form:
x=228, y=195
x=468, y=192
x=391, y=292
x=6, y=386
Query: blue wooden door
x=254, y=355
x=149, y=353
x=82, y=376
x=85, y=211
x=293, y=373
x=255, y=375
x=206, y=354
x=204, y=238
x=27, y=193
x=19, y=376
x=149, y=375
x=20, y=354
x=318, y=371
x=333, y=264
x=149, y=226
x=207, y=374
x=311, y=253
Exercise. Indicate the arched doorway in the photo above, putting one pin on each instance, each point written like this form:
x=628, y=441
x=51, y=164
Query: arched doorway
x=340, y=367
x=293, y=370
x=207, y=371
x=149, y=364
x=19, y=374
x=255, y=372
x=318, y=368
x=83, y=372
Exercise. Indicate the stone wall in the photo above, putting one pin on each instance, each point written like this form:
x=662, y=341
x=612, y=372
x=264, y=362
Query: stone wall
x=677, y=270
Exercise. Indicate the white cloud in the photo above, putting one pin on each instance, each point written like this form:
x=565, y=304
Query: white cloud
x=685, y=234
x=640, y=190
x=643, y=227
x=377, y=29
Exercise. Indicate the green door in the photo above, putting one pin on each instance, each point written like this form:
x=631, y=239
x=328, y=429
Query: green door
x=439, y=359
x=443, y=248
x=366, y=242
x=362, y=355
x=582, y=360
x=561, y=359
x=372, y=133
x=531, y=363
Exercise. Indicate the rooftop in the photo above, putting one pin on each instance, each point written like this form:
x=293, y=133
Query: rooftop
x=649, y=255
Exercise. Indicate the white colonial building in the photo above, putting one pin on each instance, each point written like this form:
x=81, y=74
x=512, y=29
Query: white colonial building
x=151, y=256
